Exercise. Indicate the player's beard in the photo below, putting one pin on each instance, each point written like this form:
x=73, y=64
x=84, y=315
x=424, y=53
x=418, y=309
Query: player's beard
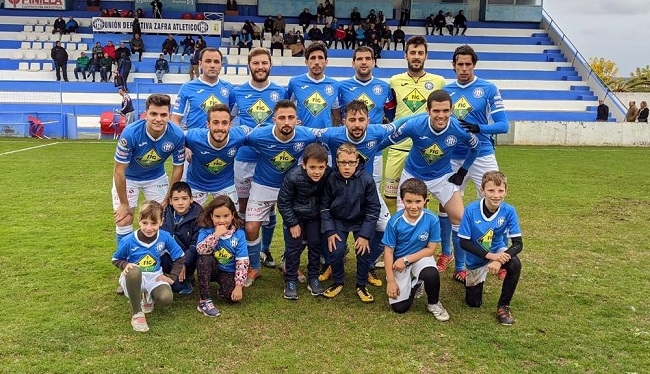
x=214, y=135
x=265, y=76
x=286, y=130
x=412, y=68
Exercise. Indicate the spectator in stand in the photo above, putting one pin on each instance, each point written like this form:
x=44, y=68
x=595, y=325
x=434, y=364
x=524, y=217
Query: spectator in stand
x=329, y=11
x=188, y=45
x=602, y=113
x=245, y=40
x=279, y=24
x=59, y=25
x=71, y=25
x=156, y=8
x=105, y=67
x=381, y=18
x=129, y=14
x=169, y=46
x=335, y=23
x=257, y=32
x=124, y=68
x=405, y=12
x=162, y=67
x=376, y=48
x=231, y=5
x=137, y=46
x=234, y=36
x=60, y=57
x=300, y=38
x=268, y=25
x=460, y=22
x=114, y=12
x=304, y=19
x=355, y=16
x=632, y=112
x=109, y=49
x=372, y=17
x=360, y=36
x=103, y=13
x=277, y=42
x=386, y=37
x=371, y=34
x=298, y=49
x=98, y=48
x=139, y=13
x=136, y=26
x=350, y=36
x=398, y=37
x=82, y=66
x=320, y=13
x=200, y=42
x=248, y=27
x=643, y=112
x=339, y=36
x=315, y=34
x=439, y=22
x=94, y=66
x=194, y=62
x=449, y=23
x=122, y=49
x=289, y=39
x=429, y=23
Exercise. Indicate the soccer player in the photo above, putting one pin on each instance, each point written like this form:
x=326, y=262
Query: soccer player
x=482, y=230
x=254, y=102
x=197, y=96
x=140, y=162
x=279, y=146
x=477, y=104
x=410, y=90
x=211, y=172
x=316, y=95
x=434, y=139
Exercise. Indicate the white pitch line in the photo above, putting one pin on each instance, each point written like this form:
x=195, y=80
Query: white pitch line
x=27, y=149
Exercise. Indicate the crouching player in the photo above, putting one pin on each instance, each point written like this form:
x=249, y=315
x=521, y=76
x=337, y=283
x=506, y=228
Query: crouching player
x=482, y=235
x=138, y=256
x=410, y=240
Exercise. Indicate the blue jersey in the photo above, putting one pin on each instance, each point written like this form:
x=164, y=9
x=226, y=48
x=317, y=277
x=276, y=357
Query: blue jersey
x=479, y=102
x=367, y=146
x=145, y=155
x=487, y=232
x=406, y=237
x=147, y=256
x=276, y=156
x=229, y=248
x=211, y=169
x=431, y=154
x=196, y=97
x=254, y=106
x=314, y=99
x=375, y=93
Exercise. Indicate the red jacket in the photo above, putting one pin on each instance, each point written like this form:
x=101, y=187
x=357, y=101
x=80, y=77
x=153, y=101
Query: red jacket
x=110, y=49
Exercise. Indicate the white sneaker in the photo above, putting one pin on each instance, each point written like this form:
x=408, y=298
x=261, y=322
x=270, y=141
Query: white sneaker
x=420, y=291
x=438, y=311
x=139, y=322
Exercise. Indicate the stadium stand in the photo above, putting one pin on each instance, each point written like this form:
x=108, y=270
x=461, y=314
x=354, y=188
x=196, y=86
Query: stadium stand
x=535, y=78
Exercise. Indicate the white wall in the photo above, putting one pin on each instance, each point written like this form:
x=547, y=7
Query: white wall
x=577, y=134
x=626, y=97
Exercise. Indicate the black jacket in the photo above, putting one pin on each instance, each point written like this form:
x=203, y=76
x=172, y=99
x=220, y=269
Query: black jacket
x=59, y=55
x=350, y=204
x=186, y=233
x=300, y=197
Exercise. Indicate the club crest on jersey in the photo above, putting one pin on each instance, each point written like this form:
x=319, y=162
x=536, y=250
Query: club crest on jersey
x=232, y=152
x=501, y=221
x=424, y=236
x=224, y=92
x=428, y=86
x=478, y=93
x=451, y=141
x=123, y=142
x=377, y=89
x=168, y=147
x=371, y=144
x=275, y=97
x=329, y=90
x=160, y=247
x=299, y=146
x=233, y=242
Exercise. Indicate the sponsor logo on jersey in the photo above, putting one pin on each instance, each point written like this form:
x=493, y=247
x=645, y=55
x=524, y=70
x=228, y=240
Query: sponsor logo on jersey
x=485, y=241
x=248, y=96
x=414, y=100
x=223, y=256
x=259, y=111
x=216, y=165
x=148, y=159
x=142, y=144
x=147, y=263
x=432, y=154
x=315, y=103
x=283, y=161
x=368, y=101
x=210, y=102
x=462, y=108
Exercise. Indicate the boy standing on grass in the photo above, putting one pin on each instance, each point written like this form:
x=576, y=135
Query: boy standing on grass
x=350, y=204
x=299, y=203
x=410, y=241
x=180, y=220
x=138, y=256
x=481, y=234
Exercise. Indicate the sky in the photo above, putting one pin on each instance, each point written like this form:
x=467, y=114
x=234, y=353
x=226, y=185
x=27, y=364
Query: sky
x=616, y=30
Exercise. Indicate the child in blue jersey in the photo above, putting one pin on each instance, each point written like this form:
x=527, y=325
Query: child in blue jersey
x=410, y=241
x=299, y=204
x=482, y=230
x=315, y=94
x=140, y=158
x=138, y=256
x=180, y=220
x=350, y=205
x=211, y=172
x=478, y=106
x=435, y=136
x=223, y=256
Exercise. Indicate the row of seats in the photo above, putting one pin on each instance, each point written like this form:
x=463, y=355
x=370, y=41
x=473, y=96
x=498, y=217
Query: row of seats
x=35, y=66
x=43, y=54
x=47, y=36
x=35, y=46
x=41, y=23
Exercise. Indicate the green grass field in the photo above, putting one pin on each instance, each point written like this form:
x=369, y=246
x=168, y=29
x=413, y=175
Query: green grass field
x=579, y=305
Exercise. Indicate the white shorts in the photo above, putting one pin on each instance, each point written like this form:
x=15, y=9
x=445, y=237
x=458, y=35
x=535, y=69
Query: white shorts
x=377, y=165
x=153, y=190
x=408, y=278
x=243, y=177
x=478, y=275
x=259, y=211
x=440, y=188
x=480, y=166
x=149, y=282
x=384, y=213
x=201, y=196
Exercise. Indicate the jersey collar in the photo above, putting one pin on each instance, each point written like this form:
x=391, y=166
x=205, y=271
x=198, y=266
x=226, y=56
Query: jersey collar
x=468, y=84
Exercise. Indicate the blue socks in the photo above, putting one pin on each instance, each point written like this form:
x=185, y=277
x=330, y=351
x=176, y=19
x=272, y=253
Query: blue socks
x=459, y=253
x=445, y=233
x=267, y=233
x=254, y=254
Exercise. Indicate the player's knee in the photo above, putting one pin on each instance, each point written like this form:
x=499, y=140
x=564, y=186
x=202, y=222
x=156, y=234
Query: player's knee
x=514, y=265
x=134, y=275
x=429, y=275
x=474, y=295
x=401, y=307
x=162, y=295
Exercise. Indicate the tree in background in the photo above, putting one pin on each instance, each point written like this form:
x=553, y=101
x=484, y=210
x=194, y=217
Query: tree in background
x=607, y=71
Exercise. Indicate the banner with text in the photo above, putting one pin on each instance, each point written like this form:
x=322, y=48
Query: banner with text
x=35, y=4
x=158, y=26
